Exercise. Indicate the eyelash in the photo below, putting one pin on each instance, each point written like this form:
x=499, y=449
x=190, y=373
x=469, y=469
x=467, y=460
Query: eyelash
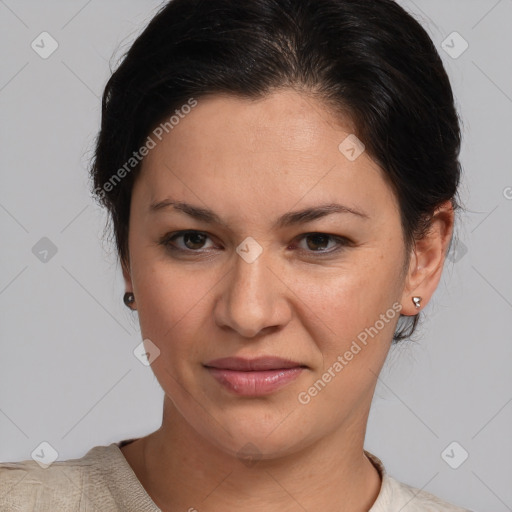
x=167, y=240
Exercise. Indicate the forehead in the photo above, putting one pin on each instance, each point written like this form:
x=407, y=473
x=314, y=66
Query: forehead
x=285, y=120
x=284, y=148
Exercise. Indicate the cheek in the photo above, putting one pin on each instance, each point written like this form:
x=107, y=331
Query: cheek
x=169, y=297
x=353, y=327
x=353, y=297
x=357, y=308
x=171, y=313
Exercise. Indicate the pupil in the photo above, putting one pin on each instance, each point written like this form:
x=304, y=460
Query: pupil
x=190, y=236
x=316, y=237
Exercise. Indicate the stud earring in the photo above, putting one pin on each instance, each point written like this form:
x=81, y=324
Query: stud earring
x=129, y=299
x=417, y=302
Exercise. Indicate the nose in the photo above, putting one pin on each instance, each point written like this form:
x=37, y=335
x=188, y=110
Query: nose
x=253, y=300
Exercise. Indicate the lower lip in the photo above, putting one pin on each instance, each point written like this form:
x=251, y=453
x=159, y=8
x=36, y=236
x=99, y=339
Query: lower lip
x=255, y=383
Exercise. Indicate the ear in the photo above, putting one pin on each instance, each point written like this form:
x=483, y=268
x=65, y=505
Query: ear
x=128, y=285
x=427, y=260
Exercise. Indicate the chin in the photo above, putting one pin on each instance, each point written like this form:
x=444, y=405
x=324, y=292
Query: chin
x=251, y=438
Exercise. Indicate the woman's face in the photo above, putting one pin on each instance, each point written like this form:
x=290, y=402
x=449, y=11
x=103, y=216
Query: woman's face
x=249, y=283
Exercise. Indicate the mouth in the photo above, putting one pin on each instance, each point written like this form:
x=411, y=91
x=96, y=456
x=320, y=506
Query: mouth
x=254, y=377
x=253, y=365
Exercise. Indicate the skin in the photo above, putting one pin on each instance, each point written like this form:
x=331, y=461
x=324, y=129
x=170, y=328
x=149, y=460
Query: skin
x=251, y=162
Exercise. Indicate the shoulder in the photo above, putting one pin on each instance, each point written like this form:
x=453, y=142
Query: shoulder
x=64, y=485
x=395, y=495
x=413, y=499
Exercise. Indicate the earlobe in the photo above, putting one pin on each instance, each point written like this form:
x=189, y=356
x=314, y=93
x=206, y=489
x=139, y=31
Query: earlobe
x=129, y=297
x=427, y=261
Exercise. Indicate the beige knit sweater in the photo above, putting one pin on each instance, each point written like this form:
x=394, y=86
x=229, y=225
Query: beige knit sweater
x=103, y=481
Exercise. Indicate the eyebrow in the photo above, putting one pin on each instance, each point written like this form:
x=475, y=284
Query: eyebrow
x=286, y=220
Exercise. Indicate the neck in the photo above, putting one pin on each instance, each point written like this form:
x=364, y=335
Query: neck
x=181, y=470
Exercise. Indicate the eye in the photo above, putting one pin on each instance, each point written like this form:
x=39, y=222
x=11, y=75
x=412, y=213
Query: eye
x=192, y=240
x=318, y=241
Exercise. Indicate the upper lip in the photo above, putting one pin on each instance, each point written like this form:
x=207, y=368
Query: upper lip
x=256, y=364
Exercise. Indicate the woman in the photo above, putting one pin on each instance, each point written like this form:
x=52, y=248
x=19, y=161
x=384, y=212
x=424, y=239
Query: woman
x=282, y=180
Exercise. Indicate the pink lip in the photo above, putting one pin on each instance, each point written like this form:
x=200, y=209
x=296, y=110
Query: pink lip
x=254, y=377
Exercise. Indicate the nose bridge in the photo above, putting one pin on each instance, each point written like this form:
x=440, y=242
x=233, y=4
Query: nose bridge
x=250, y=299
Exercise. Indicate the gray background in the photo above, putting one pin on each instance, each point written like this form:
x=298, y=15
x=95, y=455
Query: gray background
x=67, y=372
